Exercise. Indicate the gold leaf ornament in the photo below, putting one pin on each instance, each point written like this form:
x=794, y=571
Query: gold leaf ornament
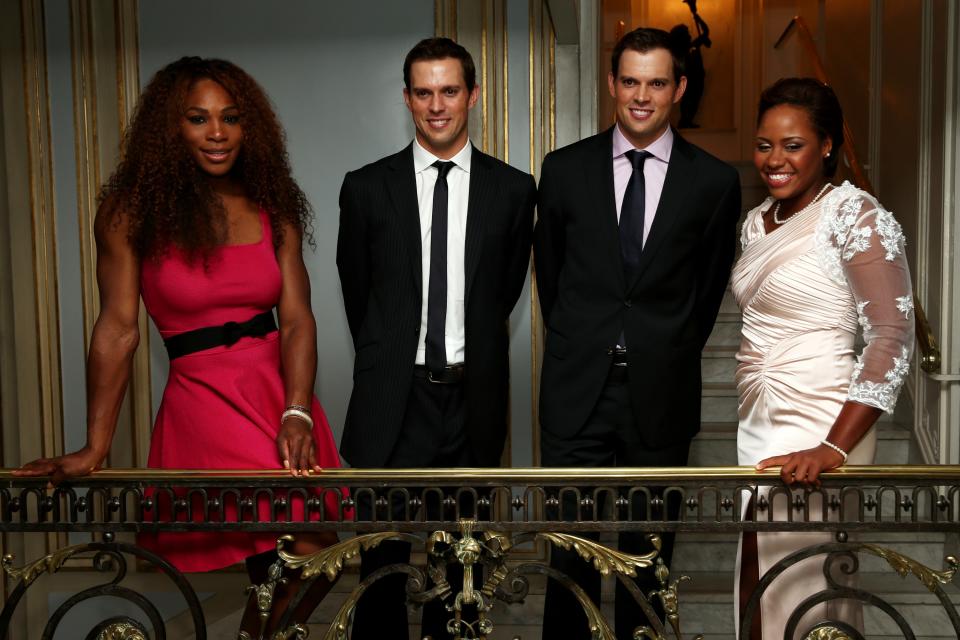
x=604, y=559
x=330, y=560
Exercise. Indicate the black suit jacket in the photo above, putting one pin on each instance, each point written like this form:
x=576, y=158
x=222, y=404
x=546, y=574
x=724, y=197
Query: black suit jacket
x=666, y=312
x=379, y=260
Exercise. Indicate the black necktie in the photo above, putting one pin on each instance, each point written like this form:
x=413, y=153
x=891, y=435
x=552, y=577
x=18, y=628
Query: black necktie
x=435, y=342
x=632, y=212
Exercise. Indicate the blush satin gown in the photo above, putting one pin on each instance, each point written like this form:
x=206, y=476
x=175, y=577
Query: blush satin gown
x=805, y=291
x=221, y=407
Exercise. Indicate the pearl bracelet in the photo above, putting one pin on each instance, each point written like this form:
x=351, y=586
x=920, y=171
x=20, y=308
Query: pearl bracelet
x=827, y=443
x=294, y=412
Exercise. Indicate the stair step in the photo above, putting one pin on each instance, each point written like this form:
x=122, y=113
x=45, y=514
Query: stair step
x=717, y=552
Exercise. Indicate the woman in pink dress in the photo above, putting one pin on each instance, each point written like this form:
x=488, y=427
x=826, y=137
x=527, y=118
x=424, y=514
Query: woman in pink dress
x=203, y=219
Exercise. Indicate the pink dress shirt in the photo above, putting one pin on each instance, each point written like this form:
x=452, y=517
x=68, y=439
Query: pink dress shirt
x=654, y=172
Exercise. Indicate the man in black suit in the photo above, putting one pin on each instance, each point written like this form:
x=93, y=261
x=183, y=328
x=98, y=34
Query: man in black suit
x=633, y=247
x=433, y=251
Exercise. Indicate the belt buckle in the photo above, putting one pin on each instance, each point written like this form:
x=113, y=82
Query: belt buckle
x=430, y=377
x=232, y=332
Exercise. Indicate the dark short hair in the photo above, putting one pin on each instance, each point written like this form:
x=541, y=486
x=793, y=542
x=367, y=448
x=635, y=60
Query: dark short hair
x=820, y=103
x=438, y=49
x=647, y=39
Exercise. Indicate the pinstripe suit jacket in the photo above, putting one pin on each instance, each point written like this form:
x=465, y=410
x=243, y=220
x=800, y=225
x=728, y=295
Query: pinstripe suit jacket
x=379, y=260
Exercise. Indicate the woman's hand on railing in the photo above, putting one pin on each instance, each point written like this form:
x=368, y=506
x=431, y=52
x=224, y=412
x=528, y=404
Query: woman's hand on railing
x=805, y=466
x=72, y=465
x=297, y=448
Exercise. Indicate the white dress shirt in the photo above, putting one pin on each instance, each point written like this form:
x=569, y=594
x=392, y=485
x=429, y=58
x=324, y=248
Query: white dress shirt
x=458, y=190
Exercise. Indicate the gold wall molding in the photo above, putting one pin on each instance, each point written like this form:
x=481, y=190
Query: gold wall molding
x=543, y=140
x=105, y=62
x=445, y=19
x=49, y=412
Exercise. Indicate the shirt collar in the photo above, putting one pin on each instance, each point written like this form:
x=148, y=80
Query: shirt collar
x=422, y=159
x=659, y=148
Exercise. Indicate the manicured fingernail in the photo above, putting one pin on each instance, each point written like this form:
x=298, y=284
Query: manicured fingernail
x=286, y=464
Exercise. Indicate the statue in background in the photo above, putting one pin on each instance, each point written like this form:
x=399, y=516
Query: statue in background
x=689, y=47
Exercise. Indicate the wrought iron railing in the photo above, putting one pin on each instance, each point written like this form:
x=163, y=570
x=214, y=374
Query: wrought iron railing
x=481, y=517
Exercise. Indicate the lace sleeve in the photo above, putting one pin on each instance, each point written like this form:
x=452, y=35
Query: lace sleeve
x=868, y=251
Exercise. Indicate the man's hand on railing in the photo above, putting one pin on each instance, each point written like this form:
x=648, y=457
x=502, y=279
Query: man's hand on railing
x=805, y=466
x=72, y=465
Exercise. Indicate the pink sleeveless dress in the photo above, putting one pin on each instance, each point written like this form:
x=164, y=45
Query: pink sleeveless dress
x=221, y=407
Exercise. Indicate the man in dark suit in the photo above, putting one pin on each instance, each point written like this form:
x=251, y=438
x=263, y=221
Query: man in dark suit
x=633, y=247
x=433, y=251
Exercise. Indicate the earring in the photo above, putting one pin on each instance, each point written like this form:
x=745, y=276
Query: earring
x=827, y=155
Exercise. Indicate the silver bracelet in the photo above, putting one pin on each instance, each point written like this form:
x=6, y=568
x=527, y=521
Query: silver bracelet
x=827, y=443
x=299, y=406
x=297, y=413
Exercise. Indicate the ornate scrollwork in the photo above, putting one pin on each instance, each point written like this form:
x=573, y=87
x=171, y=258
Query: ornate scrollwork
x=330, y=560
x=122, y=630
x=108, y=556
x=904, y=565
x=827, y=632
x=50, y=563
x=669, y=600
x=604, y=559
x=470, y=548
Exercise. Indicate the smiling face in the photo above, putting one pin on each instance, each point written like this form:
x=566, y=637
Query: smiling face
x=439, y=101
x=645, y=92
x=211, y=127
x=789, y=154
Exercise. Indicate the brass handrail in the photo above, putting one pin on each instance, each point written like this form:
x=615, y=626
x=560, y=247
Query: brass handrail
x=468, y=475
x=926, y=342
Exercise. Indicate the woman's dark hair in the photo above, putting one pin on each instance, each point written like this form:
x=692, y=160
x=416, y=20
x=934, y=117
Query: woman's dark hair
x=438, y=49
x=820, y=103
x=166, y=195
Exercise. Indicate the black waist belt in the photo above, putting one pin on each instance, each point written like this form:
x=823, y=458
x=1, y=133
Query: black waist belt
x=223, y=335
x=451, y=374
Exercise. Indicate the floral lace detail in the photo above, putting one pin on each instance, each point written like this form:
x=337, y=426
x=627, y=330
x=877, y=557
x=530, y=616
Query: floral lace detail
x=905, y=305
x=859, y=241
x=838, y=238
x=891, y=235
x=862, y=318
x=836, y=219
x=882, y=395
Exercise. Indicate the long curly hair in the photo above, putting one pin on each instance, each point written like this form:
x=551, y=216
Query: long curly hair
x=164, y=193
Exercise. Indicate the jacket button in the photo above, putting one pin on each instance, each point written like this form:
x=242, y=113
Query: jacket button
x=627, y=303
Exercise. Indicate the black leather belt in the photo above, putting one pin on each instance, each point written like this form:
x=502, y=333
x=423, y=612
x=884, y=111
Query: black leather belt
x=223, y=335
x=451, y=374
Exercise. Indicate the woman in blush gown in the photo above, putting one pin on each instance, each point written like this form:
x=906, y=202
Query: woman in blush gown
x=820, y=262
x=204, y=221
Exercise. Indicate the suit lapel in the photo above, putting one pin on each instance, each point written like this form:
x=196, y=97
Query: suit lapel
x=599, y=170
x=402, y=186
x=479, y=202
x=677, y=188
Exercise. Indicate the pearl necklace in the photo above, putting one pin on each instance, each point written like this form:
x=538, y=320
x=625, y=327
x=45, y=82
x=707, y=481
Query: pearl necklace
x=776, y=207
